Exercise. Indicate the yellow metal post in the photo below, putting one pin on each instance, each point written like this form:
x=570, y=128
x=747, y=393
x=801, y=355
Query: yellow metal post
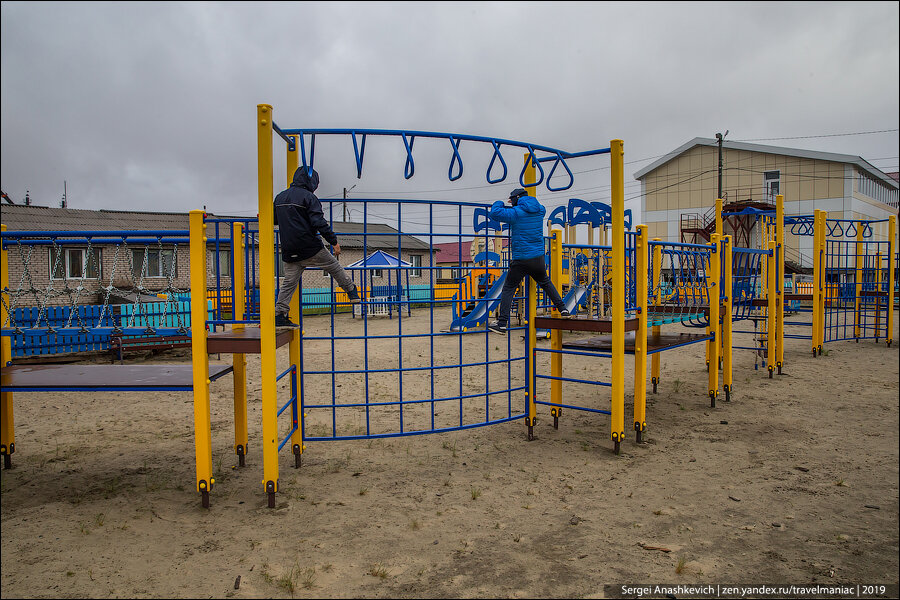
x=267, y=302
x=640, y=338
x=7, y=422
x=817, y=275
x=297, y=446
x=822, y=231
x=727, y=322
x=531, y=419
x=858, y=280
x=617, y=181
x=556, y=358
x=779, y=275
x=713, y=290
x=530, y=179
x=239, y=361
x=771, y=311
x=657, y=300
x=720, y=230
x=891, y=257
x=200, y=356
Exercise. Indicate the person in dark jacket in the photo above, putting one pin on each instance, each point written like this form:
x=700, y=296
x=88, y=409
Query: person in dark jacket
x=525, y=216
x=300, y=221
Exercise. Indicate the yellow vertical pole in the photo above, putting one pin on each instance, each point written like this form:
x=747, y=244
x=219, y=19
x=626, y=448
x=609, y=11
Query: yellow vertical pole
x=817, y=275
x=713, y=290
x=200, y=357
x=640, y=338
x=297, y=446
x=531, y=419
x=720, y=230
x=267, y=302
x=858, y=280
x=727, y=329
x=771, y=310
x=892, y=251
x=657, y=300
x=556, y=258
x=617, y=181
x=7, y=422
x=779, y=275
x=824, y=290
x=530, y=178
x=239, y=361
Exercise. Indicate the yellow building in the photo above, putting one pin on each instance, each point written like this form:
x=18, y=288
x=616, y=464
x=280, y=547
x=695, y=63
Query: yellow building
x=678, y=191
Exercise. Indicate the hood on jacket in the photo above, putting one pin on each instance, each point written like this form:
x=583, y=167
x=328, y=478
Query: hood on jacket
x=529, y=204
x=302, y=179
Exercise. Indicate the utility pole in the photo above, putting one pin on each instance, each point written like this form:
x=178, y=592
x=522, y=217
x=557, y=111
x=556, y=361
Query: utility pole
x=63, y=203
x=345, y=201
x=720, y=137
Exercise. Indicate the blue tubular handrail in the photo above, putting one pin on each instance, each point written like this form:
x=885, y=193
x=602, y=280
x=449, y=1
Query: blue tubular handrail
x=558, y=156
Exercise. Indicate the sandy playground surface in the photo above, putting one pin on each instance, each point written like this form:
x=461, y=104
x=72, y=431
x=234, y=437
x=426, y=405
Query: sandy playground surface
x=795, y=481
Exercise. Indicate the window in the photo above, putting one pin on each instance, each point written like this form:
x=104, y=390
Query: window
x=75, y=263
x=376, y=273
x=159, y=263
x=772, y=182
x=416, y=262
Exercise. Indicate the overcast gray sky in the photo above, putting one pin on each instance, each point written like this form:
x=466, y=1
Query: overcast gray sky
x=152, y=106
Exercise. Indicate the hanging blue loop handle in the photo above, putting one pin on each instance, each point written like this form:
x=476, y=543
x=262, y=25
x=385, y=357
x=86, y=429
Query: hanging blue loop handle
x=556, y=163
x=410, y=168
x=359, y=150
x=491, y=166
x=867, y=230
x=455, y=159
x=533, y=160
x=852, y=228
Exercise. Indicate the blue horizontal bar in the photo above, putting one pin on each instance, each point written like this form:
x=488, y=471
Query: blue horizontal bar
x=99, y=232
x=601, y=383
x=417, y=432
x=703, y=339
x=410, y=402
x=593, y=410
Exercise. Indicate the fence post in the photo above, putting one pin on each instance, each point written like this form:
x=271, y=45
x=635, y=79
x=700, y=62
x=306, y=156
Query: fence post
x=714, y=294
x=727, y=319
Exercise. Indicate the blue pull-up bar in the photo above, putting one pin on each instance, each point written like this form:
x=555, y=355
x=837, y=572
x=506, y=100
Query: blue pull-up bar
x=455, y=170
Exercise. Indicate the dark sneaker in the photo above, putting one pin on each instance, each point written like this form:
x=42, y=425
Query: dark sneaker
x=284, y=322
x=353, y=295
x=498, y=328
x=564, y=313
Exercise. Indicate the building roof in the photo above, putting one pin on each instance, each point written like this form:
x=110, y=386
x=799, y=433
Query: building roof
x=449, y=252
x=861, y=163
x=20, y=217
x=379, y=260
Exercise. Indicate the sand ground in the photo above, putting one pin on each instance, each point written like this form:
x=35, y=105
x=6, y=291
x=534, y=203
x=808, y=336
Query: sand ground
x=793, y=481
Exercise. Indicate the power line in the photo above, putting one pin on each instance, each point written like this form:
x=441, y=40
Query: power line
x=807, y=137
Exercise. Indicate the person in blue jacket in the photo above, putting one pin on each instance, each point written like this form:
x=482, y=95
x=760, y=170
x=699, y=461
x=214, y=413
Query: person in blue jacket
x=300, y=221
x=525, y=216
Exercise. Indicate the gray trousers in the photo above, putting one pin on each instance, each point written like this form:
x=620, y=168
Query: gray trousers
x=292, y=270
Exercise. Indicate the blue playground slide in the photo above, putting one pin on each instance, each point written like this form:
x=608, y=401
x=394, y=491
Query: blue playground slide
x=479, y=315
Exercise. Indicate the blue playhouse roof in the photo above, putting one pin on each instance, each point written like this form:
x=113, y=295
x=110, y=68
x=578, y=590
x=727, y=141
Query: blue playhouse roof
x=379, y=260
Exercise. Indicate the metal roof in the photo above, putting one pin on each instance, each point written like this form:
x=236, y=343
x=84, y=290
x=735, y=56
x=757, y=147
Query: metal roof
x=20, y=217
x=810, y=154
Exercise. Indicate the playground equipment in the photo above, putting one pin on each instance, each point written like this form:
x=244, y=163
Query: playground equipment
x=114, y=264
x=850, y=293
x=460, y=381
